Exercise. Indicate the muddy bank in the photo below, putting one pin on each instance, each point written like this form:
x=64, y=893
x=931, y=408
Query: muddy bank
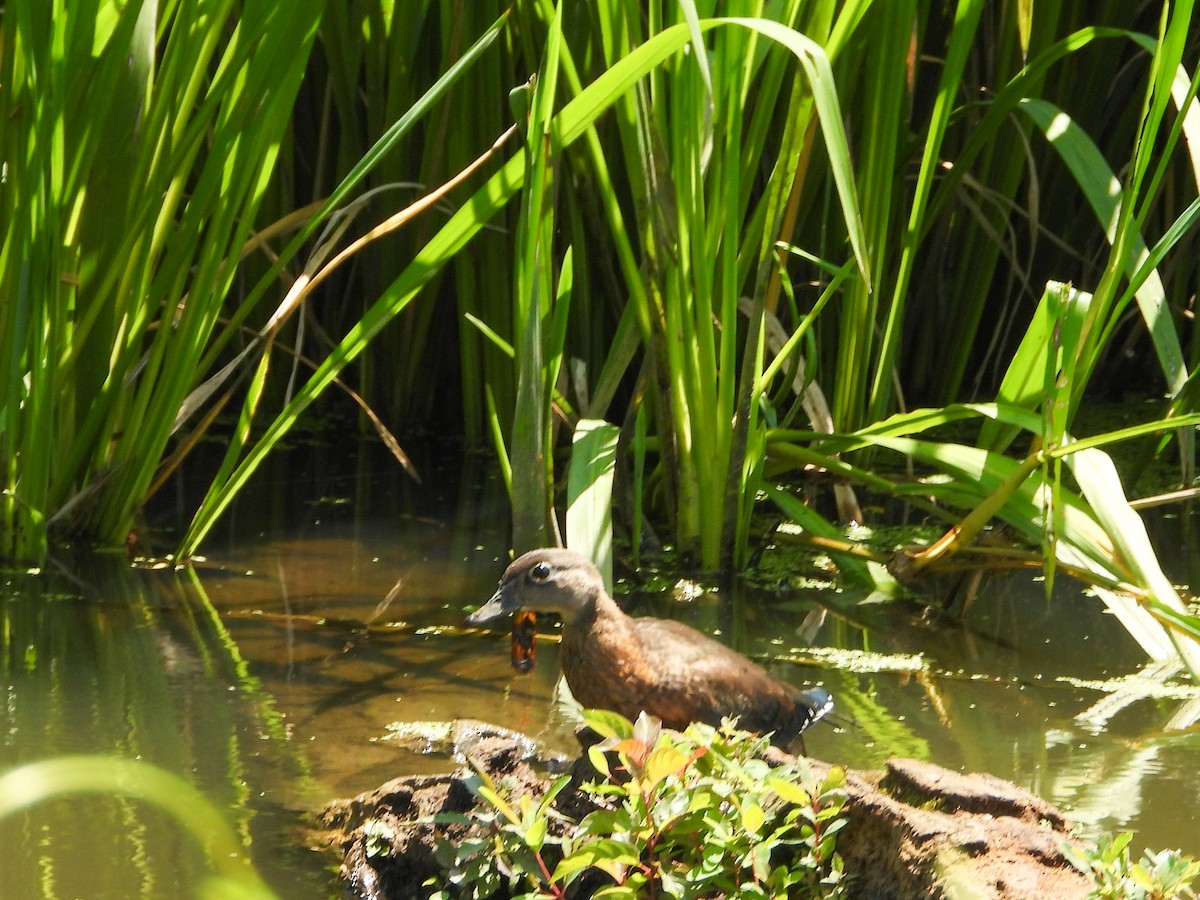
x=915, y=830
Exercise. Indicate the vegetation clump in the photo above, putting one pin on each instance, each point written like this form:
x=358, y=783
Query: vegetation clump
x=1115, y=876
x=697, y=814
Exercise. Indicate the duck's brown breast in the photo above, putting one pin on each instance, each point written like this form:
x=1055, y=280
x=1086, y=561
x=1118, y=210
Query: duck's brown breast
x=604, y=663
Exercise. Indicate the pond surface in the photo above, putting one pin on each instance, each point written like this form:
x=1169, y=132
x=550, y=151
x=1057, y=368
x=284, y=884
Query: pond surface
x=269, y=675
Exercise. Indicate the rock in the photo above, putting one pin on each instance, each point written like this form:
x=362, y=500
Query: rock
x=915, y=830
x=920, y=831
x=385, y=837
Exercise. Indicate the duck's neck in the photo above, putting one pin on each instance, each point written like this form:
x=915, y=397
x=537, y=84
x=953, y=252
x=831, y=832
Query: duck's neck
x=600, y=651
x=599, y=612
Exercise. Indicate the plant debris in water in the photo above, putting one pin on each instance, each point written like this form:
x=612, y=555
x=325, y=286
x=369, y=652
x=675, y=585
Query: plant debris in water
x=864, y=661
x=1141, y=686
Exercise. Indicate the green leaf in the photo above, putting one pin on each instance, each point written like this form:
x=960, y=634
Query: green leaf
x=835, y=780
x=535, y=834
x=498, y=803
x=554, y=790
x=663, y=762
x=599, y=761
x=1103, y=192
x=789, y=791
x=753, y=817
x=608, y=724
x=1024, y=384
x=1098, y=479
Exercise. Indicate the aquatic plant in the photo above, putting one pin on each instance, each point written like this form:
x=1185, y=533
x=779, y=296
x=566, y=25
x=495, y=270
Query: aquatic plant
x=1159, y=875
x=138, y=145
x=713, y=406
x=142, y=143
x=696, y=814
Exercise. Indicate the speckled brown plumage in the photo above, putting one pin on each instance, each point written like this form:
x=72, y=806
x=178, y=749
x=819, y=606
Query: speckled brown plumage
x=612, y=661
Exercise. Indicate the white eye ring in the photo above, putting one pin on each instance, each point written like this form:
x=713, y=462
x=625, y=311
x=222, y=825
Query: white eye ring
x=540, y=573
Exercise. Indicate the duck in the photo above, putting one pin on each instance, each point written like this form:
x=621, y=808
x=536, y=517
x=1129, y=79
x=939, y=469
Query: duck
x=629, y=665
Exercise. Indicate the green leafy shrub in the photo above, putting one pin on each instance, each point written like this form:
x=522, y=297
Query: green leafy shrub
x=698, y=814
x=1158, y=876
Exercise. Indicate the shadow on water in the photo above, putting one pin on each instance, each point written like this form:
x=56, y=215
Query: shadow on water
x=268, y=677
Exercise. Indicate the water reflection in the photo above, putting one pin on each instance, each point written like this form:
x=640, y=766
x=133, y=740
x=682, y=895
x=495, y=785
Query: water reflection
x=123, y=664
x=328, y=610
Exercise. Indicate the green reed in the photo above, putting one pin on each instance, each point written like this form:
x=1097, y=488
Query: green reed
x=693, y=138
x=727, y=216
x=1088, y=529
x=139, y=142
x=247, y=449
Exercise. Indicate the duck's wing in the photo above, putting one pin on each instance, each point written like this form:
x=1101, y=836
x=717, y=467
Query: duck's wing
x=699, y=679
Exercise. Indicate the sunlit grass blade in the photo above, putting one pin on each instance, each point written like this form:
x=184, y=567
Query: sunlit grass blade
x=1100, y=484
x=589, y=493
x=52, y=779
x=534, y=304
x=129, y=268
x=1102, y=190
x=689, y=197
x=858, y=402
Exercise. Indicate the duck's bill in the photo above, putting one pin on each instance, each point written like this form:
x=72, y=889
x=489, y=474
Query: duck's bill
x=495, y=608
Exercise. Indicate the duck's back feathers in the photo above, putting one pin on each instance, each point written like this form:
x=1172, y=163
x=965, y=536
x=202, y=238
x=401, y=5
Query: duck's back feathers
x=674, y=672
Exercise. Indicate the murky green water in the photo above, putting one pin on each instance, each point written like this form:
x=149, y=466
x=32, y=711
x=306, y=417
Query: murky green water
x=281, y=700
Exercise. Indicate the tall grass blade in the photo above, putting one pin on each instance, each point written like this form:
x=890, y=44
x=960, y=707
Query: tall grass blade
x=52, y=779
x=531, y=444
x=962, y=35
x=140, y=139
x=1103, y=193
x=589, y=493
x=1100, y=484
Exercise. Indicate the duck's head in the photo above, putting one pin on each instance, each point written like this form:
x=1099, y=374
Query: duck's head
x=549, y=580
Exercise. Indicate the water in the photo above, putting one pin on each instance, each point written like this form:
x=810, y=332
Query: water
x=281, y=700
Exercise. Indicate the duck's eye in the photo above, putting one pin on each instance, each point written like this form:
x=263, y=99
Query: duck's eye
x=540, y=573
